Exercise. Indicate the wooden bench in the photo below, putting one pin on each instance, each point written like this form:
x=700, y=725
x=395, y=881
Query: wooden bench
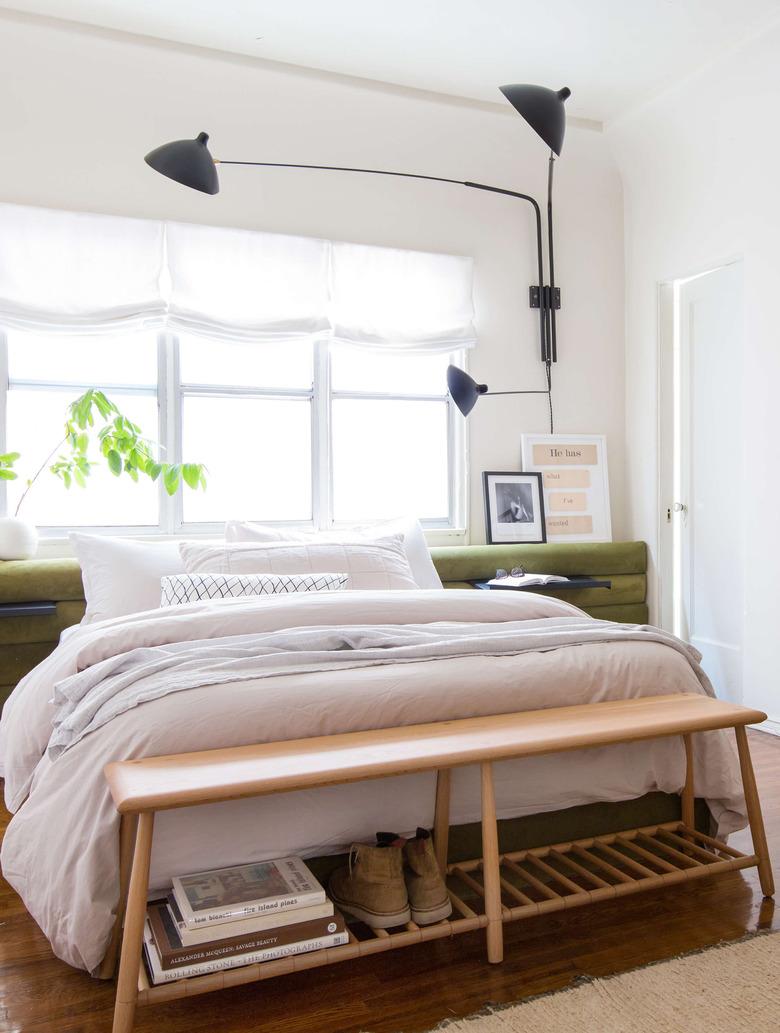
x=497, y=888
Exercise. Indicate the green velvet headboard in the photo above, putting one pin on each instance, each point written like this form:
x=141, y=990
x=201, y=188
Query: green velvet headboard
x=26, y=640
x=622, y=563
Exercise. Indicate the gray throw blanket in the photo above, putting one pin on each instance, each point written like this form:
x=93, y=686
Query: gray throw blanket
x=90, y=699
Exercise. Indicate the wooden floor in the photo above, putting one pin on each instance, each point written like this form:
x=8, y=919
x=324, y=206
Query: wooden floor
x=409, y=990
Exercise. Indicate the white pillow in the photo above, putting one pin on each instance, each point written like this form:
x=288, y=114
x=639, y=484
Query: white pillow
x=415, y=546
x=188, y=588
x=380, y=564
x=122, y=576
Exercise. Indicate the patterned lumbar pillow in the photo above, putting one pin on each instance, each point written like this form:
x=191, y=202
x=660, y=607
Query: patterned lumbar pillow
x=189, y=588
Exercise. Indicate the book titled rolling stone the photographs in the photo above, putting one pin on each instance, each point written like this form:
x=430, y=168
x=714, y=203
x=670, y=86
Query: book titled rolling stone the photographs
x=238, y=916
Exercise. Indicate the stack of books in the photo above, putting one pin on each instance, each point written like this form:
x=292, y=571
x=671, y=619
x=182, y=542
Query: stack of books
x=238, y=916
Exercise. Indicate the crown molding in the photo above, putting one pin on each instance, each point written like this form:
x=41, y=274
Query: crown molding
x=280, y=67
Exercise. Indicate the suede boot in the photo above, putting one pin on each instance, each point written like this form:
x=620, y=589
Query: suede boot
x=428, y=895
x=371, y=888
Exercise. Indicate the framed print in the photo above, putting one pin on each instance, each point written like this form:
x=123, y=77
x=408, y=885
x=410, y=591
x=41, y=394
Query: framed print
x=575, y=484
x=514, y=508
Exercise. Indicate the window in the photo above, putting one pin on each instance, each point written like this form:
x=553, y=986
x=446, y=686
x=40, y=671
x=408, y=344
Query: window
x=44, y=376
x=307, y=375
x=310, y=433
x=389, y=437
x=248, y=417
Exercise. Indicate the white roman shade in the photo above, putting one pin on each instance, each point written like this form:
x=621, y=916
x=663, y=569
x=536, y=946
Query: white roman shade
x=240, y=284
x=405, y=300
x=72, y=272
x=75, y=272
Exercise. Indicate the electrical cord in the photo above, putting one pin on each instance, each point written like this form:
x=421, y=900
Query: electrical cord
x=548, y=369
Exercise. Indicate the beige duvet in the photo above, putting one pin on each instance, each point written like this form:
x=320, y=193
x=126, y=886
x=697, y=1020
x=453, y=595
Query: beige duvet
x=60, y=850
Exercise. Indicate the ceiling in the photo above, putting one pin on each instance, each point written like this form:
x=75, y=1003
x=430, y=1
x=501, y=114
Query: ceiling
x=612, y=53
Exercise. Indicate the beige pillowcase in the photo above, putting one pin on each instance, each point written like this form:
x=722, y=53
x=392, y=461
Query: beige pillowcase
x=416, y=548
x=122, y=576
x=371, y=565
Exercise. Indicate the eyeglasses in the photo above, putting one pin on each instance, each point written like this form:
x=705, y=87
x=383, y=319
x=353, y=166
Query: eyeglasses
x=514, y=572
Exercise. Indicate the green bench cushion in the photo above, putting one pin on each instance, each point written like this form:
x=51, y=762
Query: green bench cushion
x=622, y=563
x=476, y=562
x=32, y=581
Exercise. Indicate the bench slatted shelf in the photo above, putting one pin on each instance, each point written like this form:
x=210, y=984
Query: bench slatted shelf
x=486, y=891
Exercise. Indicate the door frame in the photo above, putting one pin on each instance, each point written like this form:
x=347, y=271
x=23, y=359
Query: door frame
x=668, y=358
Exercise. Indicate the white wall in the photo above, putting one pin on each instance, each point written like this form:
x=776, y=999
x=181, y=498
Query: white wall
x=700, y=173
x=80, y=108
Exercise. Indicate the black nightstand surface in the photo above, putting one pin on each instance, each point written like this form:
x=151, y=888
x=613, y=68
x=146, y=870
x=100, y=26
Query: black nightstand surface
x=38, y=609
x=575, y=581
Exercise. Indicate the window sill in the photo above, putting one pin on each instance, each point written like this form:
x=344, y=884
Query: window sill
x=56, y=545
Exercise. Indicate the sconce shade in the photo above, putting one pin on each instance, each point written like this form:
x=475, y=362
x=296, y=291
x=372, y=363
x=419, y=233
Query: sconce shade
x=543, y=110
x=463, y=390
x=188, y=162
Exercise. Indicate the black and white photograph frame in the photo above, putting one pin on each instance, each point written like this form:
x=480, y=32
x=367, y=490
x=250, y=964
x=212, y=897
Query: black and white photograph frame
x=514, y=508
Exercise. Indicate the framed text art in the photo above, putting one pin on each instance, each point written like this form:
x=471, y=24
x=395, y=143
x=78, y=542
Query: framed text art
x=575, y=483
x=514, y=508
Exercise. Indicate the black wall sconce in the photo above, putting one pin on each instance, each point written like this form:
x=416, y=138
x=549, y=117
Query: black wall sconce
x=190, y=163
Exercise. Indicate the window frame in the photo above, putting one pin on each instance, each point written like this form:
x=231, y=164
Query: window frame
x=170, y=393
x=454, y=447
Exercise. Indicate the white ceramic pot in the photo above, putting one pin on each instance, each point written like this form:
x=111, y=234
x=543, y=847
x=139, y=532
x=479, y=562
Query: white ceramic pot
x=18, y=539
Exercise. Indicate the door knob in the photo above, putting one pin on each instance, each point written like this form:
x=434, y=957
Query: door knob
x=680, y=507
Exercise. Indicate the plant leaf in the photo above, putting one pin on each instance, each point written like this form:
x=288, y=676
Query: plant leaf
x=121, y=443
x=191, y=474
x=104, y=405
x=114, y=462
x=7, y=475
x=172, y=478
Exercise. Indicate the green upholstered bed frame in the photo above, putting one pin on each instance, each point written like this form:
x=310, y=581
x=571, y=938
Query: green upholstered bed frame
x=26, y=640
x=622, y=563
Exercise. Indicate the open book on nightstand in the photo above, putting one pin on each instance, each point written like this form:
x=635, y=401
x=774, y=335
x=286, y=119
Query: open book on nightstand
x=543, y=583
x=525, y=580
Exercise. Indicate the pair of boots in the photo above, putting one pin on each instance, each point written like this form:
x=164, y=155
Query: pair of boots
x=389, y=884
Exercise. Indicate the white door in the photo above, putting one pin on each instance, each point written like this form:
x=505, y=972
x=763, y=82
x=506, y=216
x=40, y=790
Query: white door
x=707, y=510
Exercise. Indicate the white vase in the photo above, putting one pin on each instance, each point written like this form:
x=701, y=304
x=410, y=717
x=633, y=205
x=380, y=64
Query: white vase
x=18, y=539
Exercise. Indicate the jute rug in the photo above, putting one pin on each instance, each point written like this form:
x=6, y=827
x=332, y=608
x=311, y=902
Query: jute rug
x=725, y=989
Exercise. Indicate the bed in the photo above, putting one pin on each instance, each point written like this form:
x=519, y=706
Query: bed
x=52, y=590
x=60, y=849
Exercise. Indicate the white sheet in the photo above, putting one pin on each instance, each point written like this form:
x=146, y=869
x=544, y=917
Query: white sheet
x=60, y=850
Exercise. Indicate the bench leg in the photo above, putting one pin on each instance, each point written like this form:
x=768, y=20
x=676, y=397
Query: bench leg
x=132, y=940
x=688, y=793
x=490, y=868
x=127, y=830
x=441, y=818
x=755, y=817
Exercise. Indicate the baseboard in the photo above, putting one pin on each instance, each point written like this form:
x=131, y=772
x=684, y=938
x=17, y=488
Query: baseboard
x=771, y=725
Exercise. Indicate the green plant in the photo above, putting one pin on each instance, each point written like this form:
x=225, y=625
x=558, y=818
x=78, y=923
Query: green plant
x=120, y=443
x=7, y=460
